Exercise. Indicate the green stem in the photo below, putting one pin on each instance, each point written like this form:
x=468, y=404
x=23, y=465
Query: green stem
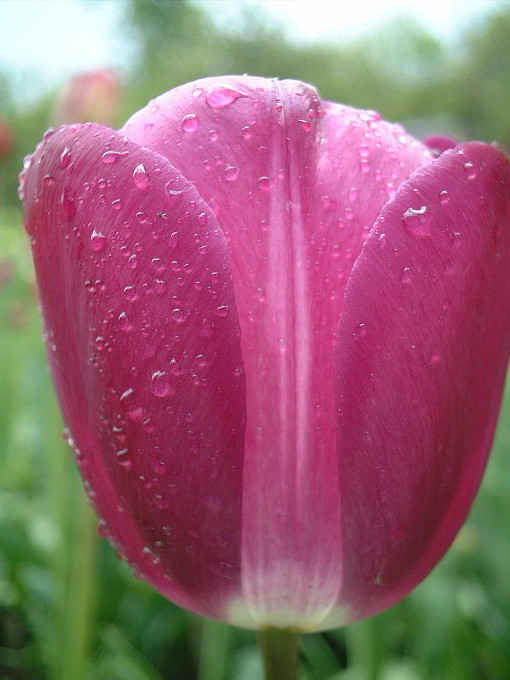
x=81, y=594
x=213, y=650
x=280, y=651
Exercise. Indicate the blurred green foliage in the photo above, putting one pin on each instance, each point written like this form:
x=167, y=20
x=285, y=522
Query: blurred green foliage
x=68, y=608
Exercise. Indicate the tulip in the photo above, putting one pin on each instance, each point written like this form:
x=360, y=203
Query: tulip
x=278, y=328
x=6, y=138
x=93, y=95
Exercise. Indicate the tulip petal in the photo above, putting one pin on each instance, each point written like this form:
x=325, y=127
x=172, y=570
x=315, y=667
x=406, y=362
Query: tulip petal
x=282, y=177
x=251, y=150
x=421, y=359
x=143, y=339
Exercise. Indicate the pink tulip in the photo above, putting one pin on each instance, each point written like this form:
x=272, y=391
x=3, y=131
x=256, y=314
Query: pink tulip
x=88, y=96
x=279, y=331
x=6, y=138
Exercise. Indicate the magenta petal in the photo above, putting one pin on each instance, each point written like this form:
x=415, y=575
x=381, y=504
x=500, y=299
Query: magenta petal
x=361, y=162
x=255, y=158
x=438, y=144
x=420, y=365
x=142, y=333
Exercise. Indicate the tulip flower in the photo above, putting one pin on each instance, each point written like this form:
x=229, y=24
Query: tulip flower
x=6, y=138
x=93, y=95
x=279, y=329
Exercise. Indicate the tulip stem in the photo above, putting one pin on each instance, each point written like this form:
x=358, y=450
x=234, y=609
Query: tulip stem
x=280, y=651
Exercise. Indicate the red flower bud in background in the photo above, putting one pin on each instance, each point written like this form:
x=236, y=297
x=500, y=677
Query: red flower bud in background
x=279, y=331
x=6, y=138
x=89, y=96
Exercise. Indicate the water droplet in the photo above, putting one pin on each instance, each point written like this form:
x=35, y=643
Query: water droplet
x=221, y=97
x=415, y=222
x=132, y=261
x=116, y=204
x=126, y=394
x=178, y=315
x=381, y=240
x=122, y=458
x=160, y=385
x=222, y=310
x=130, y=293
x=264, y=183
x=97, y=241
x=190, y=122
x=405, y=276
x=65, y=158
x=246, y=132
x=349, y=214
x=110, y=157
x=444, y=197
x=124, y=323
x=174, y=195
x=363, y=151
x=306, y=125
x=174, y=368
x=231, y=173
x=470, y=171
x=213, y=136
x=140, y=177
x=353, y=194
x=174, y=239
x=99, y=342
x=158, y=265
x=202, y=219
x=360, y=331
x=68, y=204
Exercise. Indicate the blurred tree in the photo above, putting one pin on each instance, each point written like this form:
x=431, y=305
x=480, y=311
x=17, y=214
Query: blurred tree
x=482, y=81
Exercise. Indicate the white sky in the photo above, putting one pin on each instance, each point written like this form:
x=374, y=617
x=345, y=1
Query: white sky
x=42, y=42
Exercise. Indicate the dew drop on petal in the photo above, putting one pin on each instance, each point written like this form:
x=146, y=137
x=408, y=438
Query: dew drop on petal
x=65, y=158
x=178, y=315
x=231, y=173
x=306, y=125
x=190, y=123
x=415, y=221
x=140, y=178
x=221, y=97
x=110, y=157
x=97, y=241
x=444, y=197
x=160, y=384
x=174, y=239
x=122, y=458
x=264, y=183
x=174, y=367
x=222, y=310
x=405, y=276
x=470, y=171
x=174, y=195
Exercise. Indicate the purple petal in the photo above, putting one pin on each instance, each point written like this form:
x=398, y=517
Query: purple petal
x=438, y=144
x=420, y=365
x=143, y=339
